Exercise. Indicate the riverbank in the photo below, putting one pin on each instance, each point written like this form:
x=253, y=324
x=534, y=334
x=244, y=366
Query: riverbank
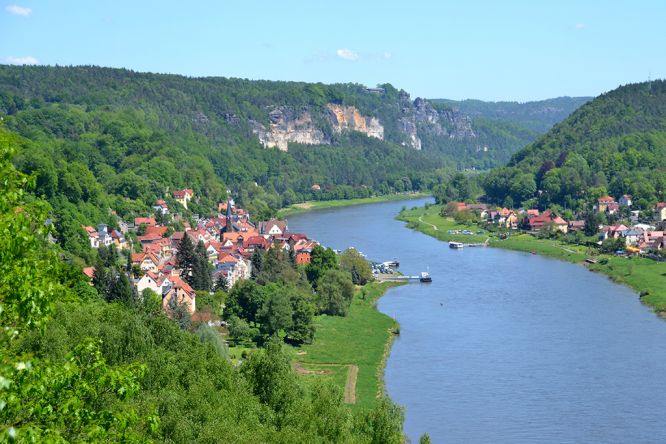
x=324, y=204
x=645, y=276
x=351, y=351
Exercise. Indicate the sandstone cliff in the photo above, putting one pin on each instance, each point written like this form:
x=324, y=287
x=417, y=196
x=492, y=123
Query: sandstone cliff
x=348, y=118
x=311, y=125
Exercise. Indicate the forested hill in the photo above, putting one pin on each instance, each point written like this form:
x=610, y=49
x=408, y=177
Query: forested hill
x=103, y=141
x=536, y=116
x=614, y=144
x=503, y=128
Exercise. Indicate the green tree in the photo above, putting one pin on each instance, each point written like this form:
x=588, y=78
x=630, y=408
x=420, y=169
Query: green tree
x=42, y=401
x=321, y=260
x=240, y=330
x=201, y=278
x=186, y=258
x=119, y=288
x=244, y=300
x=302, y=329
x=271, y=379
x=257, y=262
x=360, y=269
x=275, y=314
x=385, y=422
x=335, y=292
x=424, y=439
x=591, y=224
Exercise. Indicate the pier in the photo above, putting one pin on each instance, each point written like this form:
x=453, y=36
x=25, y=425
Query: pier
x=395, y=278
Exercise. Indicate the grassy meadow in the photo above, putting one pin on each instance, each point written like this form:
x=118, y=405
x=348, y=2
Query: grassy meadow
x=324, y=204
x=361, y=338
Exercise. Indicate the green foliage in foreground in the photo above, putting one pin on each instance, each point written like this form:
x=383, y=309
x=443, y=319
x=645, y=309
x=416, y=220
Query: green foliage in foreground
x=75, y=368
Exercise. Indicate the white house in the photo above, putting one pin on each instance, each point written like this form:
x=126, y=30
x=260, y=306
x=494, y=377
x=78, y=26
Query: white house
x=625, y=200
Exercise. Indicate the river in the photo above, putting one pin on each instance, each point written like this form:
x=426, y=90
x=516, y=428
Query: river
x=507, y=347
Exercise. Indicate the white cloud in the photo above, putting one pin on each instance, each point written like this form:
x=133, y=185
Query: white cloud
x=27, y=60
x=580, y=25
x=19, y=10
x=387, y=55
x=348, y=54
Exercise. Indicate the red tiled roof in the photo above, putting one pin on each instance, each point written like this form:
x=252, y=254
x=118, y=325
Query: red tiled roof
x=179, y=283
x=158, y=231
x=89, y=229
x=89, y=271
x=152, y=248
x=149, y=238
x=179, y=194
x=150, y=221
x=256, y=241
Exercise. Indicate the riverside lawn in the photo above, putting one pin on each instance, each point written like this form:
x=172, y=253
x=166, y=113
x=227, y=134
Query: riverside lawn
x=645, y=276
x=324, y=204
x=361, y=338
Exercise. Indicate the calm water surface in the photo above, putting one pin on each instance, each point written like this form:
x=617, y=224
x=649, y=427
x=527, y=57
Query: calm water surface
x=506, y=347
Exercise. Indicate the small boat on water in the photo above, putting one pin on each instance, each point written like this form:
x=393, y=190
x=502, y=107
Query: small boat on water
x=456, y=245
x=425, y=277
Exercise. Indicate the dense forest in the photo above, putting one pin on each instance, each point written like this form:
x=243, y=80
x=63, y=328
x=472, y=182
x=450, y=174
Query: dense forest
x=615, y=144
x=503, y=128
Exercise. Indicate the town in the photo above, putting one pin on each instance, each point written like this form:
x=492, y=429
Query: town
x=230, y=240
x=615, y=223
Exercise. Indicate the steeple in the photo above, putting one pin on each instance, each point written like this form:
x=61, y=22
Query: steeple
x=229, y=225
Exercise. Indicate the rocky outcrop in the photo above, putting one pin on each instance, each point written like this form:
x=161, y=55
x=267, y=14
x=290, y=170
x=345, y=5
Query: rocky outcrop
x=459, y=125
x=407, y=126
x=423, y=118
x=348, y=118
x=285, y=127
x=416, y=121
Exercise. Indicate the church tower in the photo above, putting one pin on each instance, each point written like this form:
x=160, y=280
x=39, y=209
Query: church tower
x=228, y=227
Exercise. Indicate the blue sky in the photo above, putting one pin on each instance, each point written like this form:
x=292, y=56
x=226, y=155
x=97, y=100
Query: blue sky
x=491, y=50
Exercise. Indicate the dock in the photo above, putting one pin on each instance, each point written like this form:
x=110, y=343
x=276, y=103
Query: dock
x=479, y=244
x=396, y=278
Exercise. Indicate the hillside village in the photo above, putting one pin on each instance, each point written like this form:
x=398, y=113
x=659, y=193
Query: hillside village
x=230, y=239
x=639, y=233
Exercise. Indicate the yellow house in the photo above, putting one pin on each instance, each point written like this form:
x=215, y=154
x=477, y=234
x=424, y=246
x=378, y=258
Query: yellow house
x=183, y=196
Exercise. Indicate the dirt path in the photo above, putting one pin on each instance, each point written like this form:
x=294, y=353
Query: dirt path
x=350, y=384
x=434, y=227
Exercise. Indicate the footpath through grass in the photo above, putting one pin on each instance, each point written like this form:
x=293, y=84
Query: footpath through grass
x=645, y=276
x=323, y=204
x=429, y=221
x=362, y=338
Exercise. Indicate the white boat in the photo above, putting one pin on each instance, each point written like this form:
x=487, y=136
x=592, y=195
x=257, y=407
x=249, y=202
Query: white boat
x=456, y=245
x=425, y=277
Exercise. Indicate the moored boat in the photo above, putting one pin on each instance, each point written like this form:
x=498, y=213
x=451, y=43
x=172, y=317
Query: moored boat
x=425, y=277
x=456, y=245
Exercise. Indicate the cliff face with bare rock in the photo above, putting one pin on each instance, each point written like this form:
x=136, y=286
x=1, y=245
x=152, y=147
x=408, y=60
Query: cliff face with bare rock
x=348, y=118
x=289, y=125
